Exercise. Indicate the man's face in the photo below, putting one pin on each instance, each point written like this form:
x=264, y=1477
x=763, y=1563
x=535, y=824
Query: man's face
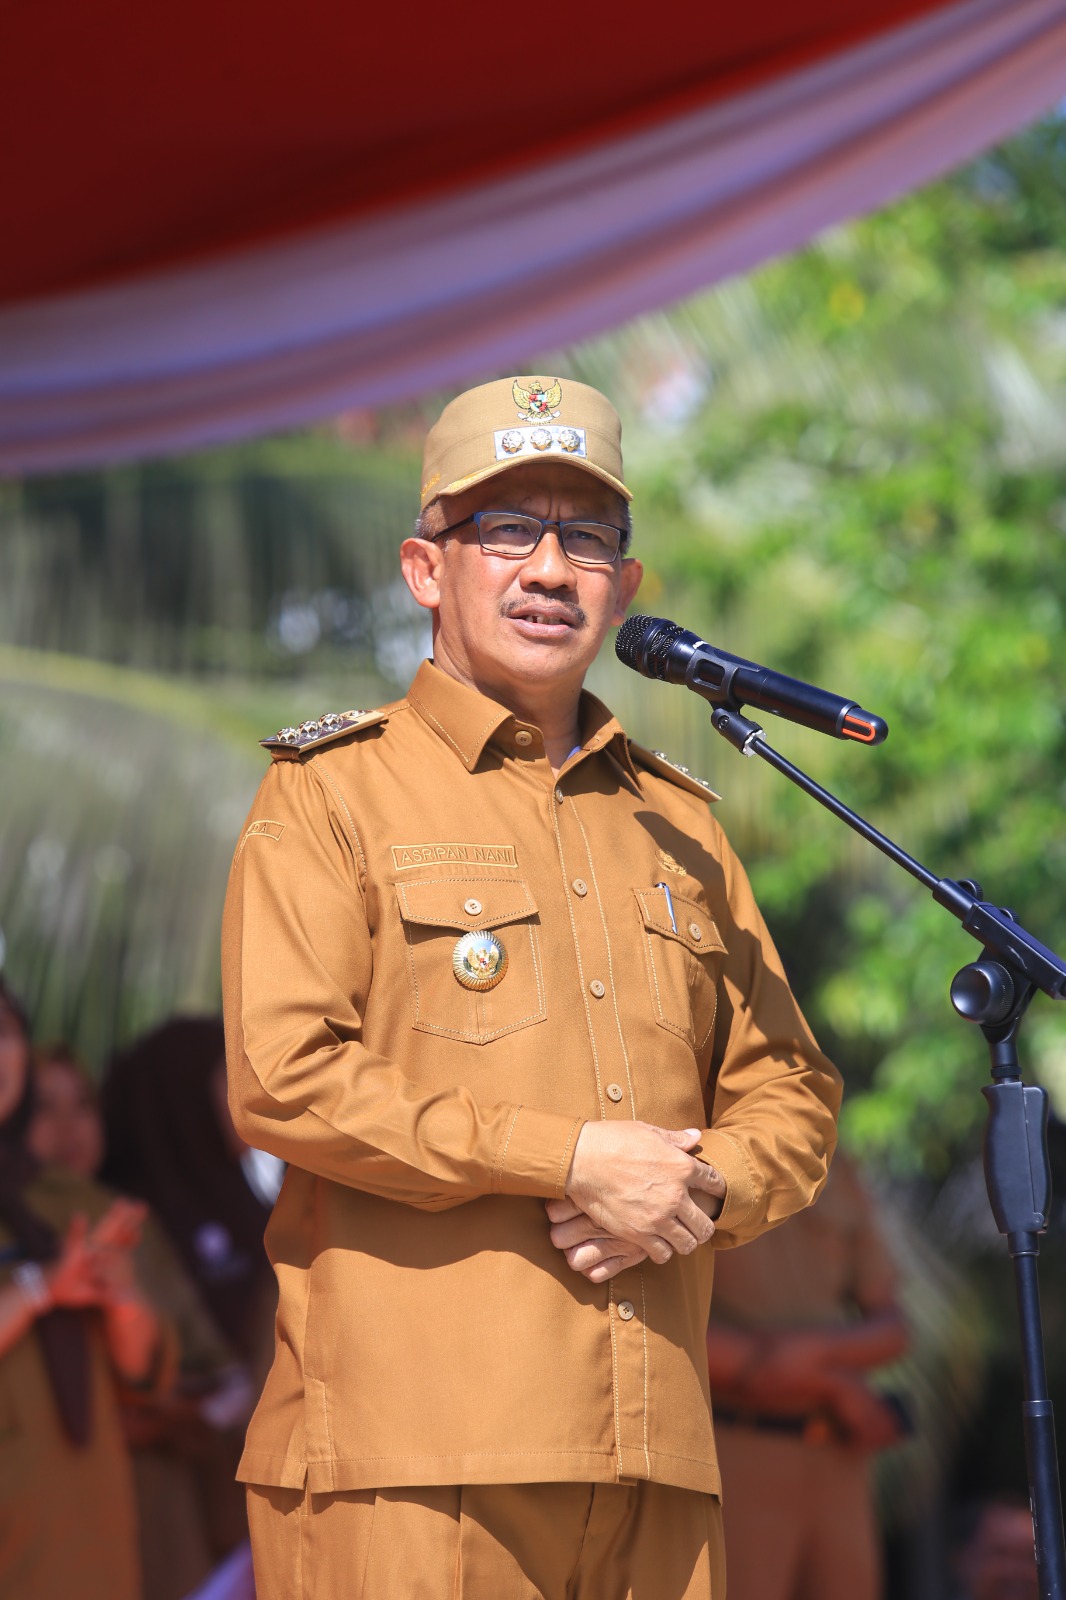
x=511, y=626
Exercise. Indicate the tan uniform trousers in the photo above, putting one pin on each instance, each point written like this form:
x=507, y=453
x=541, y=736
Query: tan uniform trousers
x=533, y=1541
x=799, y=1518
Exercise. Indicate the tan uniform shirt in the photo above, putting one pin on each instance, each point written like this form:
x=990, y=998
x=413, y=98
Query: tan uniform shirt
x=428, y=1331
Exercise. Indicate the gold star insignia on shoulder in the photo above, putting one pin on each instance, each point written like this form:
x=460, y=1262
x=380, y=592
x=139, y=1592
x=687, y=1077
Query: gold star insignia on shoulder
x=289, y=744
x=659, y=762
x=678, y=766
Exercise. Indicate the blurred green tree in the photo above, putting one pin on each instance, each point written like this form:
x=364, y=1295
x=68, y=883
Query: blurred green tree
x=871, y=493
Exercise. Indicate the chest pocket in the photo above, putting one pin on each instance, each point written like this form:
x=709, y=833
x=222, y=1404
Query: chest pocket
x=683, y=963
x=436, y=913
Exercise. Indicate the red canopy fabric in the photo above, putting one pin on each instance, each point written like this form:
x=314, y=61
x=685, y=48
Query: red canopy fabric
x=143, y=135
x=224, y=218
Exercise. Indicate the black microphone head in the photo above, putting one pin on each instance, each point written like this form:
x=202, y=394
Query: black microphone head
x=630, y=637
x=647, y=645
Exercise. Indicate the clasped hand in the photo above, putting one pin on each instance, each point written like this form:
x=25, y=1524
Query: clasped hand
x=634, y=1193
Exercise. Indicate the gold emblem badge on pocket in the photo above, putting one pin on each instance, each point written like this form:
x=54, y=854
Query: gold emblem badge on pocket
x=479, y=961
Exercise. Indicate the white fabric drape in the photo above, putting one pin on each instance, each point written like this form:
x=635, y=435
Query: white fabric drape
x=441, y=290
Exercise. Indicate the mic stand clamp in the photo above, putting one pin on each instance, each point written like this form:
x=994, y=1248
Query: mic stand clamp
x=741, y=732
x=994, y=993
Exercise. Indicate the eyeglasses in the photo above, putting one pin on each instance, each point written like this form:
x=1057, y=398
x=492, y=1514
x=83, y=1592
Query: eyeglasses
x=507, y=533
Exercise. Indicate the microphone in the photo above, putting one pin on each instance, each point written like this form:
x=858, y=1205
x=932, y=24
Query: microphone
x=660, y=649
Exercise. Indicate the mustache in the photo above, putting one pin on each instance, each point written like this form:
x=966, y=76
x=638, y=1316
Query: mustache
x=569, y=610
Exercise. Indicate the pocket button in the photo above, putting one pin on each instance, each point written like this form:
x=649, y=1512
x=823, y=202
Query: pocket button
x=695, y=930
x=472, y=907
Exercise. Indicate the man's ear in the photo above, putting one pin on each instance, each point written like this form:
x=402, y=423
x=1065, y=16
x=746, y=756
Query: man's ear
x=628, y=584
x=421, y=563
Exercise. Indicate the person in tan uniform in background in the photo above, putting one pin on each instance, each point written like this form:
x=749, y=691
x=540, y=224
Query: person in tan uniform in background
x=72, y=1323
x=497, y=989
x=800, y=1320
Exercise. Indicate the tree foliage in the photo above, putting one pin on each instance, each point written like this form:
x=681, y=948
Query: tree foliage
x=872, y=495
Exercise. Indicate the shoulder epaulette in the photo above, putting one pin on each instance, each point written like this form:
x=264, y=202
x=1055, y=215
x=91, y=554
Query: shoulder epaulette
x=289, y=744
x=658, y=761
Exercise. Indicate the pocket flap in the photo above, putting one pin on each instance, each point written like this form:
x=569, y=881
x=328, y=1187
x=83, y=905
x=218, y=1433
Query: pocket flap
x=696, y=928
x=465, y=903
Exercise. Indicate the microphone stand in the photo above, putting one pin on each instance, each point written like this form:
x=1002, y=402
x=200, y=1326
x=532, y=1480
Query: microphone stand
x=994, y=992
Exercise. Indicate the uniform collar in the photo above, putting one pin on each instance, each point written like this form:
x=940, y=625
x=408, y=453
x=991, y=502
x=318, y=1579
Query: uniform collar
x=467, y=720
x=463, y=717
x=601, y=730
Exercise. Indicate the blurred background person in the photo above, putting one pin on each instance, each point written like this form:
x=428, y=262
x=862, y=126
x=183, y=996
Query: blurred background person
x=994, y=1551
x=72, y=1319
x=170, y=1141
x=800, y=1319
x=66, y=1129
x=182, y=1442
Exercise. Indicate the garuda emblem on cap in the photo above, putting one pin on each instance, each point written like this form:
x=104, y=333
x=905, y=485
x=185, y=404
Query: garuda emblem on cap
x=540, y=401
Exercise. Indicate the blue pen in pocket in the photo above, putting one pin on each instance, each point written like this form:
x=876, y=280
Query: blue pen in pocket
x=665, y=887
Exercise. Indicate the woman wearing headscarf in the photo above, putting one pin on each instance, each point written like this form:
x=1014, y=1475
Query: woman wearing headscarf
x=71, y=1320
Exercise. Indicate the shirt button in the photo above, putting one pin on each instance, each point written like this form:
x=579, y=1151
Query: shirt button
x=472, y=907
x=559, y=795
x=579, y=886
x=523, y=737
x=625, y=1310
x=596, y=988
x=614, y=1092
x=695, y=930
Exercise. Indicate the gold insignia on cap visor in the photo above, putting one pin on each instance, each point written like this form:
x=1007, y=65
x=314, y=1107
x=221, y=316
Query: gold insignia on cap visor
x=539, y=401
x=479, y=961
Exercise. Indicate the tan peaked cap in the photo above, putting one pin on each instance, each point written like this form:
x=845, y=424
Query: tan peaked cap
x=514, y=420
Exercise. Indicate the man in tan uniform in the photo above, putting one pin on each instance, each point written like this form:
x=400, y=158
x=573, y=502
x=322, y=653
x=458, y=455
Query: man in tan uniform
x=799, y=1322
x=497, y=989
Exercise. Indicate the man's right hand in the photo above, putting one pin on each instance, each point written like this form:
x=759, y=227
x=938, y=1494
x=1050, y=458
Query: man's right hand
x=632, y=1180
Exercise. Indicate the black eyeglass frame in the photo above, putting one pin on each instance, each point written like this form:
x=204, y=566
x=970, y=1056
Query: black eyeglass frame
x=524, y=555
